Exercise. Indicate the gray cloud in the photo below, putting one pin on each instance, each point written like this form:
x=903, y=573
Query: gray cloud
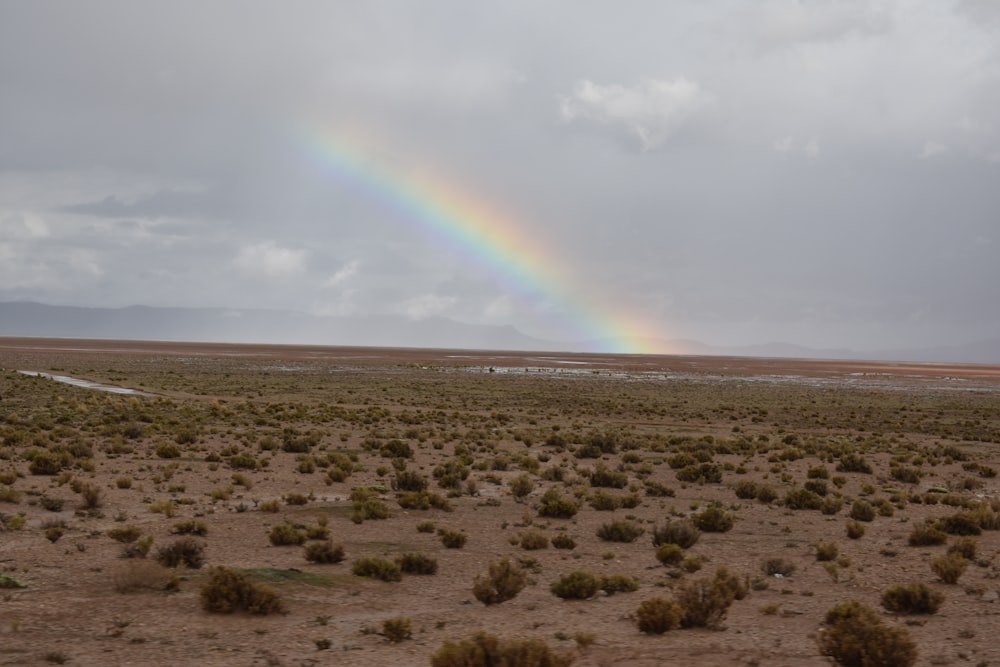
x=820, y=172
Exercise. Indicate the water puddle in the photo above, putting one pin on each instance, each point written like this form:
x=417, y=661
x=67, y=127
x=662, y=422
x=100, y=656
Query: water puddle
x=87, y=384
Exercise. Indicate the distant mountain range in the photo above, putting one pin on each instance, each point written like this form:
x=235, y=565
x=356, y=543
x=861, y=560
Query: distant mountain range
x=289, y=327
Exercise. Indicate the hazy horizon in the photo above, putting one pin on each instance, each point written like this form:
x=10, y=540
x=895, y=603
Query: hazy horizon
x=822, y=174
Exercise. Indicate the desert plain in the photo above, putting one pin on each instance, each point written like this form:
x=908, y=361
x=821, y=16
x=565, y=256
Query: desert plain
x=809, y=483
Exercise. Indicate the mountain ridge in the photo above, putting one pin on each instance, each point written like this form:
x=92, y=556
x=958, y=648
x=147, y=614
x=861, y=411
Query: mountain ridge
x=247, y=325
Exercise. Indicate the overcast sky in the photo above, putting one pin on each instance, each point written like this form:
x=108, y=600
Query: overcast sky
x=824, y=172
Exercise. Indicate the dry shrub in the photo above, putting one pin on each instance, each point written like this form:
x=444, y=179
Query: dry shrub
x=324, y=552
x=452, y=539
x=138, y=575
x=556, y=506
x=228, y=590
x=855, y=530
x=619, y=531
x=577, y=585
x=964, y=547
x=949, y=567
x=485, y=650
x=562, y=541
x=504, y=580
x=285, y=534
x=826, y=551
x=706, y=601
x=413, y=563
x=915, y=598
x=397, y=629
x=683, y=533
x=714, y=520
x=619, y=583
x=377, y=568
x=669, y=554
x=856, y=636
x=657, y=615
x=91, y=497
x=862, y=510
x=190, y=527
x=532, y=540
x=185, y=551
x=125, y=534
x=926, y=536
x=773, y=566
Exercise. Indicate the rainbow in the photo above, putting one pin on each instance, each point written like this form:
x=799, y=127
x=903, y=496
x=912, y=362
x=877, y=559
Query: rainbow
x=482, y=233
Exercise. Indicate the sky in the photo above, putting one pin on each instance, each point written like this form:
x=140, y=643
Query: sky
x=821, y=172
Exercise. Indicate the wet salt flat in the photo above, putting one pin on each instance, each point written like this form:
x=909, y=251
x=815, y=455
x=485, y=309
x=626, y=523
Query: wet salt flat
x=87, y=384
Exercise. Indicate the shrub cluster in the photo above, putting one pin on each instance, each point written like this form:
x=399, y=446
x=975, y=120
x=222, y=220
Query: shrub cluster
x=228, y=590
x=855, y=636
x=485, y=650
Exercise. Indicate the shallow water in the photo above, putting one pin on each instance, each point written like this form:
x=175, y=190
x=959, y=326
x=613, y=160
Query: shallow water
x=87, y=384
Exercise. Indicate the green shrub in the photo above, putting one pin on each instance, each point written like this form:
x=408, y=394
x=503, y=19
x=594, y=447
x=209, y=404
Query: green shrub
x=802, y=499
x=377, y=568
x=228, y=590
x=504, y=580
x=619, y=531
x=578, y=585
x=485, y=650
x=618, y=583
x=855, y=636
x=602, y=477
x=658, y=615
x=167, y=450
x=413, y=563
x=407, y=480
x=915, y=598
x=852, y=462
x=714, y=520
x=185, y=551
x=681, y=532
x=555, y=506
x=286, y=534
x=324, y=552
x=701, y=473
x=949, y=567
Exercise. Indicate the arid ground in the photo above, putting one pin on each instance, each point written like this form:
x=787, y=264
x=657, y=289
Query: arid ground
x=814, y=482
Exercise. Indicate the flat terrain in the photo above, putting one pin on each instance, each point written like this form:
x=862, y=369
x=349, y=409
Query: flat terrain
x=224, y=447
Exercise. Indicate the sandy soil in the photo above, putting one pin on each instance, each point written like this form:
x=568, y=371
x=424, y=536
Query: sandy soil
x=436, y=400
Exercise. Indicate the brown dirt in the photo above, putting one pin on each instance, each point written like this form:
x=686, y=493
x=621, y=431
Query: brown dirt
x=69, y=608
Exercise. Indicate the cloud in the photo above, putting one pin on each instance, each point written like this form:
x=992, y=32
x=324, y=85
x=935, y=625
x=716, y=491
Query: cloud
x=426, y=305
x=653, y=110
x=932, y=148
x=343, y=274
x=269, y=260
x=810, y=148
x=781, y=23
